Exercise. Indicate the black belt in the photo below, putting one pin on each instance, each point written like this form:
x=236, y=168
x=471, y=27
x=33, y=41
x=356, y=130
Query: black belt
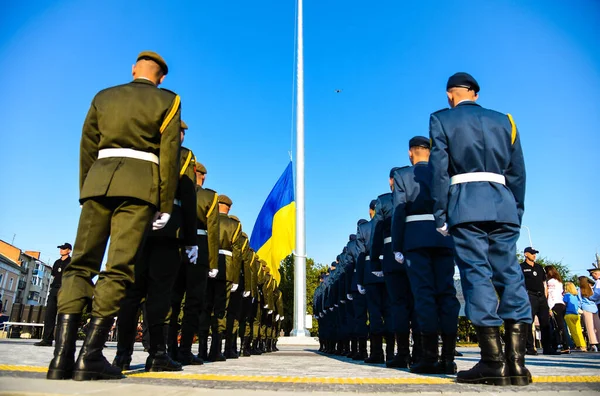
x=535, y=293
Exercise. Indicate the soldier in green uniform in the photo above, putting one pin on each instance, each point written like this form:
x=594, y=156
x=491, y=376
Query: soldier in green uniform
x=237, y=297
x=156, y=272
x=192, y=278
x=278, y=318
x=230, y=250
x=129, y=163
x=267, y=316
x=253, y=321
x=248, y=300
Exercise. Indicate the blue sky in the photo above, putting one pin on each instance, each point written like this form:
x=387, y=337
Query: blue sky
x=232, y=64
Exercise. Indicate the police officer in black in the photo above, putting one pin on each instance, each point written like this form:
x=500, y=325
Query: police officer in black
x=535, y=283
x=51, y=303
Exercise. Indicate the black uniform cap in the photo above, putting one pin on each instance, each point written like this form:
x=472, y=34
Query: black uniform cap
x=463, y=80
x=419, y=141
x=372, y=204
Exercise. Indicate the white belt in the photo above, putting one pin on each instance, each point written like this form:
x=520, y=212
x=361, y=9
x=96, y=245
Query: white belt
x=226, y=252
x=421, y=217
x=177, y=202
x=387, y=240
x=478, y=177
x=368, y=258
x=128, y=153
x=202, y=232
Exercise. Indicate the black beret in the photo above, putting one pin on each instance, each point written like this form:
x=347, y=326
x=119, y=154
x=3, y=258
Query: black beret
x=372, y=204
x=419, y=141
x=464, y=80
x=393, y=170
x=353, y=237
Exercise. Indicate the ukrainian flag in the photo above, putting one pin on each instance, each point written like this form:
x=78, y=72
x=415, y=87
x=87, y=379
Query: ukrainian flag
x=274, y=234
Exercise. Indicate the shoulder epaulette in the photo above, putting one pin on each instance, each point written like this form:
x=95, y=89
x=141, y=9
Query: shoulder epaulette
x=384, y=195
x=441, y=110
x=168, y=90
x=209, y=189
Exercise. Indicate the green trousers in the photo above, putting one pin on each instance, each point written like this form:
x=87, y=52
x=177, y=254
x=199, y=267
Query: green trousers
x=126, y=222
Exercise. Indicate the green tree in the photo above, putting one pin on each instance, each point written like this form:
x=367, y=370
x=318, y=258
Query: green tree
x=313, y=272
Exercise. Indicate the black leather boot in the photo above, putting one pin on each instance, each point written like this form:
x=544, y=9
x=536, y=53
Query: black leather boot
x=402, y=358
x=376, y=350
x=202, y=347
x=255, y=347
x=321, y=345
x=515, y=340
x=428, y=361
x=61, y=366
x=231, y=346
x=91, y=364
x=247, y=347
x=215, y=354
x=416, y=349
x=274, y=346
x=362, y=349
x=491, y=369
x=159, y=360
x=390, y=347
x=269, y=346
x=122, y=359
x=446, y=364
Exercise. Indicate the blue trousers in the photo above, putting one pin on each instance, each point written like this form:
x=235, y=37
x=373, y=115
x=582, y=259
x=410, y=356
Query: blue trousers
x=378, y=305
x=492, y=280
x=401, y=301
x=431, y=274
x=359, y=301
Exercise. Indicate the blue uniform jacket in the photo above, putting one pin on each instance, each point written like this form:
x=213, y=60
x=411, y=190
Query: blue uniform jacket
x=412, y=196
x=350, y=265
x=363, y=266
x=469, y=138
x=382, y=224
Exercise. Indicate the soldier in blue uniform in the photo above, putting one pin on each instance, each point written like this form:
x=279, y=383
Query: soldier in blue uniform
x=367, y=305
x=396, y=281
x=350, y=272
x=360, y=331
x=478, y=189
x=429, y=261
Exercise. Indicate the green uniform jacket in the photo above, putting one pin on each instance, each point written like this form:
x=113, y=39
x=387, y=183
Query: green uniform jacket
x=279, y=302
x=138, y=116
x=207, y=212
x=268, y=289
x=182, y=224
x=229, y=239
x=247, y=258
x=255, y=267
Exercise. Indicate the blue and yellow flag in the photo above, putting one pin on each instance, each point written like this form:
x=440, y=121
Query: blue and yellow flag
x=274, y=234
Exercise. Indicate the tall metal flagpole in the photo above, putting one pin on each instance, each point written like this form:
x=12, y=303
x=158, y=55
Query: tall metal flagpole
x=300, y=255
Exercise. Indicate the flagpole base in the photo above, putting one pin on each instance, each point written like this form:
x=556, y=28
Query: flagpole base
x=300, y=333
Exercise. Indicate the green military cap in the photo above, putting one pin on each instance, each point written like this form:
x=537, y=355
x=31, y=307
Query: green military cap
x=153, y=56
x=235, y=218
x=199, y=167
x=224, y=199
x=183, y=125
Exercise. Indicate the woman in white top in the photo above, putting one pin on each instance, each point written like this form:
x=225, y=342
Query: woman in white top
x=557, y=306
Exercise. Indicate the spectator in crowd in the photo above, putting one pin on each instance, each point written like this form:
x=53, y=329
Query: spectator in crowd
x=573, y=310
x=557, y=306
x=590, y=313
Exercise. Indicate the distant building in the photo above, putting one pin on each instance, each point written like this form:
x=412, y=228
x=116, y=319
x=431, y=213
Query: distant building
x=11, y=276
x=34, y=283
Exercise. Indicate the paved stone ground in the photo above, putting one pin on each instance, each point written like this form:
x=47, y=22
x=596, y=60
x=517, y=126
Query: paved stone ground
x=295, y=368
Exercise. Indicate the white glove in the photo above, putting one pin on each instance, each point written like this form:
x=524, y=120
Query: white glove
x=331, y=309
x=192, y=253
x=234, y=287
x=335, y=305
x=361, y=289
x=160, y=220
x=320, y=314
x=283, y=317
x=399, y=257
x=270, y=312
x=378, y=274
x=213, y=273
x=266, y=306
x=343, y=301
x=246, y=294
x=443, y=230
x=349, y=297
x=276, y=317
